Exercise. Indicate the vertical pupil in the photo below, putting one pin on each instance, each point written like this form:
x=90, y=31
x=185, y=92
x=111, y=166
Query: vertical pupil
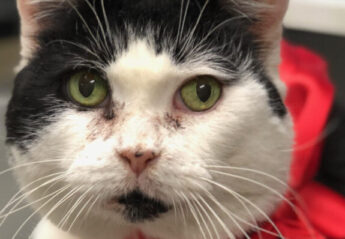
x=203, y=91
x=87, y=85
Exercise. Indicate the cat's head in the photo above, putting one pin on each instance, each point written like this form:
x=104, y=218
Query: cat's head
x=165, y=116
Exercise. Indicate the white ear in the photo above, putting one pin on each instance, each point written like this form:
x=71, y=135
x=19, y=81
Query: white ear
x=29, y=26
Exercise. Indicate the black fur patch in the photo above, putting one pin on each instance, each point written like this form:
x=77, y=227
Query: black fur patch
x=139, y=208
x=73, y=39
x=275, y=100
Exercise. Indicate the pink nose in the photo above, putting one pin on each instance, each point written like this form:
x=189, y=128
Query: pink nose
x=138, y=160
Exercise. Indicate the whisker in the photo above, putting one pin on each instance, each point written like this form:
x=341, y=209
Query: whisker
x=329, y=129
x=232, y=192
x=175, y=210
x=255, y=226
x=227, y=212
x=13, y=198
x=105, y=44
x=106, y=20
x=61, y=201
x=247, y=210
x=208, y=217
x=71, y=210
x=179, y=204
x=26, y=165
x=229, y=234
x=191, y=34
x=82, y=209
x=179, y=24
x=184, y=19
x=201, y=216
x=191, y=208
x=22, y=198
x=85, y=24
x=201, y=42
x=79, y=45
x=58, y=192
x=295, y=209
x=90, y=208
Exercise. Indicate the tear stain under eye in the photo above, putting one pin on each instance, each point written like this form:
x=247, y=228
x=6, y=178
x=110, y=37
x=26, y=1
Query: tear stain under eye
x=172, y=122
x=102, y=126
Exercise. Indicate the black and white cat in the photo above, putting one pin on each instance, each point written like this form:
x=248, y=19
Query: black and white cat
x=159, y=116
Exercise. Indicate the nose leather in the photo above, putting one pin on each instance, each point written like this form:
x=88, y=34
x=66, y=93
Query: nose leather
x=138, y=160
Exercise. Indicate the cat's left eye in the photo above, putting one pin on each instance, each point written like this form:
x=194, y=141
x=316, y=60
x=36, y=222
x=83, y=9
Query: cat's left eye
x=201, y=93
x=87, y=89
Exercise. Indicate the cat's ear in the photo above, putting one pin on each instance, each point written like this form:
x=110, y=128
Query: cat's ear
x=36, y=16
x=269, y=16
x=266, y=17
x=29, y=26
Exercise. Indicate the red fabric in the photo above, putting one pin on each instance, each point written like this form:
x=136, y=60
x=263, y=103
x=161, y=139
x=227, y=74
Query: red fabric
x=309, y=99
x=320, y=212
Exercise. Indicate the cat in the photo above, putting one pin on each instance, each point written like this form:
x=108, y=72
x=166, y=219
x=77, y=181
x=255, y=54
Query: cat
x=162, y=117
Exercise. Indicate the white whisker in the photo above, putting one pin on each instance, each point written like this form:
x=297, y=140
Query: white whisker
x=85, y=24
x=225, y=228
x=196, y=205
x=209, y=219
x=71, y=210
x=227, y=212
x=105, y=44
x=191, y=34
x=27, y=164
x=82, y=209
x=289, y=202
x=191, y=209
x=14, y=197
x=19, y=200
x=184, y=19
x=232, y=192
x=58, y=192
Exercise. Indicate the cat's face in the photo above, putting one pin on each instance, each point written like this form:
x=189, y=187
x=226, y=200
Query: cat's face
x=150, y=115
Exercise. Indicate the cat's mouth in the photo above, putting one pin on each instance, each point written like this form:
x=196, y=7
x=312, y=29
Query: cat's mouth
x=139, y=208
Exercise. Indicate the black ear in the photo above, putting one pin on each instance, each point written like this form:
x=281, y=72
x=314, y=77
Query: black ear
x=29, y=26
x=33, y=19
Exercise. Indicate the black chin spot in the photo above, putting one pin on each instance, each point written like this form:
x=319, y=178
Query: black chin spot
x=139, y=208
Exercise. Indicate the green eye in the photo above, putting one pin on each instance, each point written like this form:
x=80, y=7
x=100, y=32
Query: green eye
x=201, y=93
x=87, y=89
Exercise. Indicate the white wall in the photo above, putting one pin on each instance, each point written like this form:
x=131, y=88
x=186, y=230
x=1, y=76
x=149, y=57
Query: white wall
x=325, y=16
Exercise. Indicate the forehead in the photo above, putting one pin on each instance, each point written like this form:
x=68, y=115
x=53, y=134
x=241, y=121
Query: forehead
x=184, y=28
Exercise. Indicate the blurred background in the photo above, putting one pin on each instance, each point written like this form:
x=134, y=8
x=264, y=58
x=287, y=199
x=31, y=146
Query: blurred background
x=316, y=24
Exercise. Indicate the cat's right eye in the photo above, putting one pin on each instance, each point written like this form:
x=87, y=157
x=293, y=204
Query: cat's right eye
x=87, y=89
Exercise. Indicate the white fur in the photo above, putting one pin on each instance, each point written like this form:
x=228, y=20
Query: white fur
x=240, y=131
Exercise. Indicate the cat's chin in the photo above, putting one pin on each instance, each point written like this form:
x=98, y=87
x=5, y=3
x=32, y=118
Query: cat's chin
x=136, y=207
